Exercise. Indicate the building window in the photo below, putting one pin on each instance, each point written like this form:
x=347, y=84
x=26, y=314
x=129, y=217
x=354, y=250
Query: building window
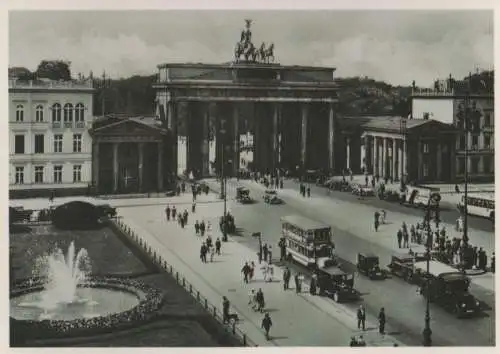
x=487, y=119
x=461, y=143
x=79, y=110
x=487, y=164
x=425, y=169
x=58, y=174
x=58, y=142
x=19, y=113
x=19, y=175
x=39, y=113
x=460, y=165
x=77, y=173
x=475, y=140
x=68, y=112
x=474, y=165
x=39, y=143
x=56, y=112
x=487, y=141
x=38, y=174
x=426, y=148
x=19, y=144
x=77, y=142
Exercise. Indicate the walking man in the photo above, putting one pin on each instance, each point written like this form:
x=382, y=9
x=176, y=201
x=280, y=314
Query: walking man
x=225, y=310
x=217, y=246
x=246, y=272
x=381, y=321
x=399, y=236
x=193, y=207
x=361, y=317
x=286, y=278
x=267, y=324
x=167, y=212
x=174, y=211
x=202, y=228
x=196, y=227
x=376, y=221
x=260, y=301
x=296, y=277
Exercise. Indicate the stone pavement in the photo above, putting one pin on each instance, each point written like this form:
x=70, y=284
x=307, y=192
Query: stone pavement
x=346, y=216
x=298, y=320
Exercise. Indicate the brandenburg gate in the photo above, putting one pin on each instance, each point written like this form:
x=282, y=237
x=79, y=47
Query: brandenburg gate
x=291, y=110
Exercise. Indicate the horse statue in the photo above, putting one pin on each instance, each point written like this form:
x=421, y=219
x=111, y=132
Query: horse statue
x=262, y=51
x=250, y=52
x=269, y=56
x=238, y=51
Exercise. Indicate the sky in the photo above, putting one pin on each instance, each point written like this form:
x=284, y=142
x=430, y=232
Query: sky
x=395, y=46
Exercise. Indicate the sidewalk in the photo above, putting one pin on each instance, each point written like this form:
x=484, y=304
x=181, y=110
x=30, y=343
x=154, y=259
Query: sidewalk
x=346, y=216
x=298, y=320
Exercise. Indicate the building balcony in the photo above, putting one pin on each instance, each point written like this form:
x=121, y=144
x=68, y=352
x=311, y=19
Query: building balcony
x=80, y=125
x=57, y=125
x=49, y=84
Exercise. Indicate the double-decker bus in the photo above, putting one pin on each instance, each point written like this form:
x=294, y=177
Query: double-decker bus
x=479, y=204
x=308, y=242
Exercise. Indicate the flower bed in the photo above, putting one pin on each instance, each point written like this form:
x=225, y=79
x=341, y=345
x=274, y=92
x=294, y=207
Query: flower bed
x=150, y=301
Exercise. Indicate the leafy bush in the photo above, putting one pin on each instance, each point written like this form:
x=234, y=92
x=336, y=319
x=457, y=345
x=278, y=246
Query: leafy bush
x=76, y=215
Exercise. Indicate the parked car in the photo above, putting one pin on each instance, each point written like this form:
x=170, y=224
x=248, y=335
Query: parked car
x=362, y=190
x=369, y=265
x=337, y=284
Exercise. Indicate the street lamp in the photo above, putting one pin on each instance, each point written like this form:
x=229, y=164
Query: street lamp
x=223, y=180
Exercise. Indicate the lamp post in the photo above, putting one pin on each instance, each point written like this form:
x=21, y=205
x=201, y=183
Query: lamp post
x=223, y=180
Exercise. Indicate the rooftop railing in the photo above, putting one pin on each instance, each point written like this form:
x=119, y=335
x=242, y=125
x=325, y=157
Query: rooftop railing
x=14, y=83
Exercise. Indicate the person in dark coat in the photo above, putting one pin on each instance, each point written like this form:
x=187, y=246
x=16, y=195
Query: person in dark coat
x=260, y=300
x=282, y=246
x=296, y=278
x=218, y=245
x=246, y=272
x=185, y=216
x=314, y=283
x=400, y=237
x=225, y=310
x=281, y=183
x=196, y=227
x=308, y=192
x=361, y=315
x=377, y=220
x=381, y=321
x=174, y=211
x=265, y=251
x=203, y=252
x=286, y=278
x=202, y=228
x=193, y=207
x=492, y=265
x=267, y=324
x=167, y=212
x=209, y=242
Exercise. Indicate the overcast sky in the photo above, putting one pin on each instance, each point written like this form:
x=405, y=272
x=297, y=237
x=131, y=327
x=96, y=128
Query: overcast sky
x=395, y=46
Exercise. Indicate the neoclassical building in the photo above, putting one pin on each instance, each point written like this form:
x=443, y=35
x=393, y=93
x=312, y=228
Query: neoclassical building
x=420, y=150
x=49, y=144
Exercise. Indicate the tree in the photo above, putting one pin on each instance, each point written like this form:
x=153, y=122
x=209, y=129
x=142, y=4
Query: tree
x=54, y=70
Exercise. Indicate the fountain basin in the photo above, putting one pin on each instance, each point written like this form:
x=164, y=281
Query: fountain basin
x=102, y=304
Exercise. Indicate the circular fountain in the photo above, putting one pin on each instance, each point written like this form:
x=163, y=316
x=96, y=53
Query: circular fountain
x=67, y=298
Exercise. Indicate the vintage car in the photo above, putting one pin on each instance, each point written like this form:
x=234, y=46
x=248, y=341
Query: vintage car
x=362, y=190
x=369, y=265
x=402, y=264
x=336, y=184
x=243, y=195
x=337, y=284
x=106, y=210
x=271, y=197
x=451, y=291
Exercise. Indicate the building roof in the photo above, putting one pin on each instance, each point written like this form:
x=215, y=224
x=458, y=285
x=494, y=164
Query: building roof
x=303, y=222
x=387, y=123
x=118, y=118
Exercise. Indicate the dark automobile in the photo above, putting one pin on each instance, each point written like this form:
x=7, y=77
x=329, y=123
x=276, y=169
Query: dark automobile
x=243, y=195
x=336, y=184
x=106, y=210
x=337, y=284
x=451, y=291
x=402, y=264
x=369, y=265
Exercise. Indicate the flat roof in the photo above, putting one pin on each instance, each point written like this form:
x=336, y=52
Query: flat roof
x=435, y=268
x=243, y=64
x=303, y=222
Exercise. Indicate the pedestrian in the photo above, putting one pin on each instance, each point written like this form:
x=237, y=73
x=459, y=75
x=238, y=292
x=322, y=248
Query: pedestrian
x=193, y=207
x=267, y=324
x=492, y=264
x=252, y=270
x=202, y=228
x=174, y=212
x=217, y=246
x=270, y=273
x=383, y=216
x=225, y=310
x=185, y=216
x=269, y=255
x=308, y=192
x=167, y=212
x=405, y=239
x=361, y=317
x=381, y=321
x=196, y=227
x=251, y=299
x=286, y=278
x=313, y=284
x=212, y=253
x=260, y=301
x=246, y=271
x=209, y=242
x=399, y=236
x=264, y=251
x=376, y=220
x=297, y=283
x=282, y=246
x=203, y=252
x=281, y=183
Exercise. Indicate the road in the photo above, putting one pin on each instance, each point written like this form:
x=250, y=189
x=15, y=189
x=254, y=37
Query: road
x=404, y=307
x=447, y=215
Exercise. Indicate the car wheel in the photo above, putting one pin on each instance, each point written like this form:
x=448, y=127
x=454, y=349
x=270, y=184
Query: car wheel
x=336, y=297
